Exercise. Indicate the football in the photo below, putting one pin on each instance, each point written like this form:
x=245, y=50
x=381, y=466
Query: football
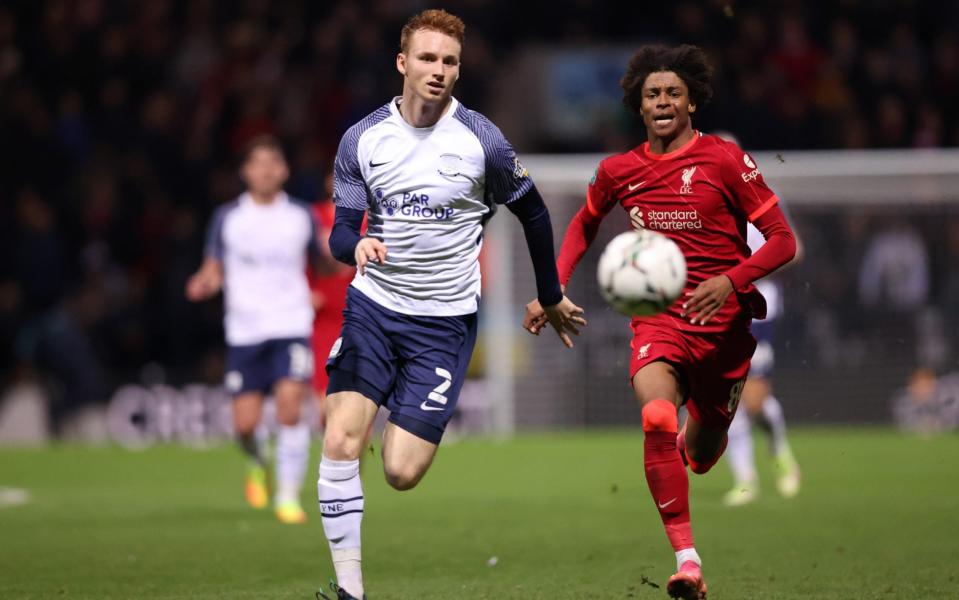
x=641, y=273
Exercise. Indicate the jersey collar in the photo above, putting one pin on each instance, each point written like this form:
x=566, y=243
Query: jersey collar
x=675, y=153
x=246, y=199
x=450, y=111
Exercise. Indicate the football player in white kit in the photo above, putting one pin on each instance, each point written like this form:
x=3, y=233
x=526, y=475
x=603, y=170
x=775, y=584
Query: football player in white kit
x=257, y=251
x=428, y=173
x=760, y=406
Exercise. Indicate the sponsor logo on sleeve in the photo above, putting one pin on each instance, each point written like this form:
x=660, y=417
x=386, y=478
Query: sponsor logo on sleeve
x=519, y=171
x=752, y=175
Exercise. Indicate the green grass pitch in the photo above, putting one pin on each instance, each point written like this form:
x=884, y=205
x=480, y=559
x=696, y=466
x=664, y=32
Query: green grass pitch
x=565, y=515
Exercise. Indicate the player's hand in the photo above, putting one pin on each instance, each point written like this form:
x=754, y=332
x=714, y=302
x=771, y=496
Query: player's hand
x=535, y=317
x=564, y=317
x=706, y=300
x=201, y=286
x=369, y=249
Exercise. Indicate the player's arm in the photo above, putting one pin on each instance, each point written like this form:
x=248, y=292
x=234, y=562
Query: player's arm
x=350, y=194
x=780, y=248
x=580, y=234
x=751, y=195
x=559, y=310
x=208, y=280
x=347, y=244
x=320, y=259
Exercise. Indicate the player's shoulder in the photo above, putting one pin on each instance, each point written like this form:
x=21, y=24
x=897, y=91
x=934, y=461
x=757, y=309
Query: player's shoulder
x=220, y=211
x=615, y=165
x=478, y=123
x=353, y=134
x=719, y=146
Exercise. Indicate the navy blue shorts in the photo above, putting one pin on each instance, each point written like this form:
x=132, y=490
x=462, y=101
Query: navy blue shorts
x=764, y=358
x=257, y=367
x=413, y=365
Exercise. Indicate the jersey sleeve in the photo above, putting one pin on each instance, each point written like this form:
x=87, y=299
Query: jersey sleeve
x=349, y=187
x=584, y=225
x=506, y=177
x=744, y=182
x=213, y=248
x=600, y=198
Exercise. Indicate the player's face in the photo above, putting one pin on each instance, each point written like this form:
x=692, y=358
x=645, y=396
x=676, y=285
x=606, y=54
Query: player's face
x=265, y=171
x=430, y=67
x=666, y=105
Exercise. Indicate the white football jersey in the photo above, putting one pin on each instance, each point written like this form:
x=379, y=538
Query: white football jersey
x=264, y=250
x=768, y=287
x=427, y=192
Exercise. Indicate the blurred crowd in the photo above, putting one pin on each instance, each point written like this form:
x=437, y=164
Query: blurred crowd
x=121, y=122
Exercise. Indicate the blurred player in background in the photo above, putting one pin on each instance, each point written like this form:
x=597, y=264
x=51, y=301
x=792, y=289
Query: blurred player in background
x=428, y=172
x=761, y=406
x=699, y=191
x=257, y=251
x=328, y=291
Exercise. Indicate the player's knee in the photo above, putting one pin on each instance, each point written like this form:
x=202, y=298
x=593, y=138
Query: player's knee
x=402, y=477
x=244, y=427
x=660, y=415
x=701, y=460
x=340, y=444
x=700, y=468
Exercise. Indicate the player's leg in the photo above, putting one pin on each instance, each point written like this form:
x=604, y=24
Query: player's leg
x=292, y=450
x=740, y=453
x=436, y=353
x=361, y=369
x=406, y=457
x=660, y=389
x=787, y=469
x=246, y=379
x=247, y=412
x=291, y=370
x=340, y=490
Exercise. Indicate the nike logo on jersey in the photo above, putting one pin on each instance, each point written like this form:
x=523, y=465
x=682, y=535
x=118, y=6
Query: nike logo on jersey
x=633, y=186
x=665, y=504
x=373, y=165
x=425, y=406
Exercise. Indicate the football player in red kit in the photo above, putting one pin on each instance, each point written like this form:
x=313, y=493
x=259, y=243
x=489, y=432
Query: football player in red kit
x=699, y=191
x=328, y=291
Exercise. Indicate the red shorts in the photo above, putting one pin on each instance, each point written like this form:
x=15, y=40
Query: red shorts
x=713, y=365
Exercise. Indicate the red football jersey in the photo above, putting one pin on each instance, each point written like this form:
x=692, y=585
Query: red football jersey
x=700, y=196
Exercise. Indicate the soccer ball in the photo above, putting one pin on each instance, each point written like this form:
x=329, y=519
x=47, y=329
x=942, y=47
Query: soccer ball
x=641, y=273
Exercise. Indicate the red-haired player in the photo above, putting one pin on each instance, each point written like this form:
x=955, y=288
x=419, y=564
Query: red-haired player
x=700, y=191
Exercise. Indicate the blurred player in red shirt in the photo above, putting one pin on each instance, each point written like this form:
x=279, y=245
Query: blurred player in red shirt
x=328, y=291
x=700, y=191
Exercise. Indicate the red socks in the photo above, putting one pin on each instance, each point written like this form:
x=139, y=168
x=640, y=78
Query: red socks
x=665, y=472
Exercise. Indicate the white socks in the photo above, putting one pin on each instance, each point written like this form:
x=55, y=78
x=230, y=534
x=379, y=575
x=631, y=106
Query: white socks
x=687, y=554
x=292, y=457
x=341, y=504
x=773, y=415
x=739, y=452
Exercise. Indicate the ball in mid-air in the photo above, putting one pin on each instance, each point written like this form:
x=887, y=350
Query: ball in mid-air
x=641, y=272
